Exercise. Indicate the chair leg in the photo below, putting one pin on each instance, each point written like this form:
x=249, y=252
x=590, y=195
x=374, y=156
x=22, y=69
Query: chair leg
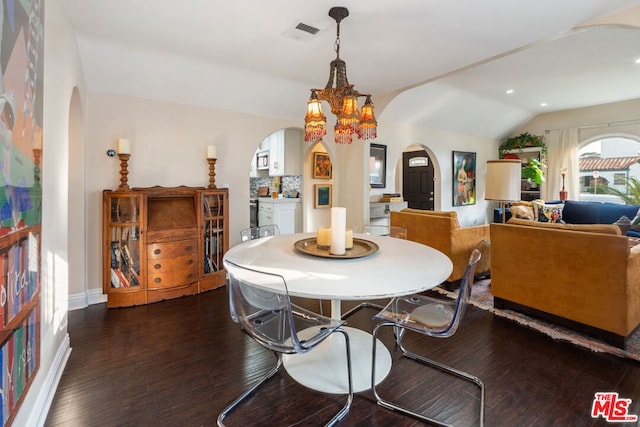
x=336, y=418
x=340, y=415
x=360, y=307
x=447, y=369
x=247, y=393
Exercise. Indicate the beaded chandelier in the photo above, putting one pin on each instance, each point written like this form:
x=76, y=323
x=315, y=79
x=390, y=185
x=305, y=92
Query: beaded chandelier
x=342, y=98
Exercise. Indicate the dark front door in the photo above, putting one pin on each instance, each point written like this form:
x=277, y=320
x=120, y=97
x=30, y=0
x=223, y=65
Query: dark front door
x=417, y=179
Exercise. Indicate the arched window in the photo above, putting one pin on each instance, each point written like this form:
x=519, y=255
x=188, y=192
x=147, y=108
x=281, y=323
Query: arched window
x=607, y=163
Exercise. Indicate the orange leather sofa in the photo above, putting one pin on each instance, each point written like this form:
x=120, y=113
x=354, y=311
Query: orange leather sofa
x=583, y=276
x=441, y=230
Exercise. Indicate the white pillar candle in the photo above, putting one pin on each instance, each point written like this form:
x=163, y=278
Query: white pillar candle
x=348, y=239
x=338, y=230
x=37, y=140
x=211, y=152
x=324, y=237
x=124, y=146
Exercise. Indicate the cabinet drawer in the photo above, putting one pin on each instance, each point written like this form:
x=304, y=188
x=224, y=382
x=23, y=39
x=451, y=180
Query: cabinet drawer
x=379, y=210
x=171, y=278
x=265, y=207
x=171, y=249
x=165, y=265
x=265, y=219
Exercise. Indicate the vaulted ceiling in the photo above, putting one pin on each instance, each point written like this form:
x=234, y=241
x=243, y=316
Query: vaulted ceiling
x=444, y=64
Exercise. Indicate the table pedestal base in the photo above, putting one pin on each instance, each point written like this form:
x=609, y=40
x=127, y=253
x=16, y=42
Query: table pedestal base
x=325, y=368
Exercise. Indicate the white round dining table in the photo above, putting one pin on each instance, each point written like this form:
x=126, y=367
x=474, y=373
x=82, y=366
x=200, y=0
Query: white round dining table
x=398, y=267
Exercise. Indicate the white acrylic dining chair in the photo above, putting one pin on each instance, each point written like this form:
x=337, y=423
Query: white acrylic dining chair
x=260, y=302
x=435, y=317
x=378, y=230
x=385, y=230
x=258, y=232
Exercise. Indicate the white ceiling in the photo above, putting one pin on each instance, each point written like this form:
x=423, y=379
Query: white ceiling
x=444, y=64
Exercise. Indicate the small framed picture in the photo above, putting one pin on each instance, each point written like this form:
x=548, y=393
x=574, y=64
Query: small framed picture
x=321, y=165
x=323, y=196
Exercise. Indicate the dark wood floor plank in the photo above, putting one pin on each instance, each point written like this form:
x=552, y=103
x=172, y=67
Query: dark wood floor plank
x=180, y=362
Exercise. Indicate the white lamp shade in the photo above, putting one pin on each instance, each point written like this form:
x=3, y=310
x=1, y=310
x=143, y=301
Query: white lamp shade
x=503, y=180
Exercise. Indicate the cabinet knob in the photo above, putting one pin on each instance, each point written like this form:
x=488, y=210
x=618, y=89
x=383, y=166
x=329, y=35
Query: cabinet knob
x=157, y=251
x=190, y=262
x=190, y=275
x=157, y=280
x=157, y=266
x=189, y=248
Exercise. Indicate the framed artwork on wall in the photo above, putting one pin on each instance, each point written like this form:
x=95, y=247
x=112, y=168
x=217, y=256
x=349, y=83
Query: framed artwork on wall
x=321, y=165
x=378, y=166
x=322, y=196
x=464, y=178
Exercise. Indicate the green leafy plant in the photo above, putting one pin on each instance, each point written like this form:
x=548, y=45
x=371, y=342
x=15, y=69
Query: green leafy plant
x=631, y=196
x=534, y=172
x=521, y=141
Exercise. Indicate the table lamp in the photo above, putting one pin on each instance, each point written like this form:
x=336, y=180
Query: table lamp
x=503, y=182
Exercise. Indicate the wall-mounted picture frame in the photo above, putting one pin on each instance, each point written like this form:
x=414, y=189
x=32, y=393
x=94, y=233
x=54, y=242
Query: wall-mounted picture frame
x=322, y=196
x=464, y=178
x=321, y=165
x=378, y=166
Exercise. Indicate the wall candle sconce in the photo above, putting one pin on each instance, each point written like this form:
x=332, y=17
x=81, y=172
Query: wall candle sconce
x=211, y=159
x=564, y=195
x=124, y=152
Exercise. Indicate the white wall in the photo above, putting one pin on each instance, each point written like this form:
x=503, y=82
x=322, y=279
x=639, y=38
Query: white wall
x=439, y=144
x=62, y=73
x=168, y=143
x=168, y=148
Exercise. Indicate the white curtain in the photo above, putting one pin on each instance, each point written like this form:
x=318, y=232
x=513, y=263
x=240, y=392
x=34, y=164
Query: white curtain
x=562, y=152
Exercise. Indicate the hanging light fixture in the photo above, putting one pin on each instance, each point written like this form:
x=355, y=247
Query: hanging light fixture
x=342, y=98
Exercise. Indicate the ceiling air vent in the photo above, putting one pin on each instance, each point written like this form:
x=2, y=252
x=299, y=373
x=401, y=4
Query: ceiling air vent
x=307, y=28
x=302, y=32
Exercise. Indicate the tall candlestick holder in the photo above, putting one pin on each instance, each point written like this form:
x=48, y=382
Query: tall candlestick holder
x=37, y=154
x=212, y=174
x=564, y=195
x=124, y=171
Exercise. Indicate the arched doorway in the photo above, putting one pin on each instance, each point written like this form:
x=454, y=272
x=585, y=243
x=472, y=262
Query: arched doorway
x=418, y=186
x=76, y=201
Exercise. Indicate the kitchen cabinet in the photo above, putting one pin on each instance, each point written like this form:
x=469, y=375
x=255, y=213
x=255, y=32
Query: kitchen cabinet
x=285, y=213
x=161, y=243
x=285, y=151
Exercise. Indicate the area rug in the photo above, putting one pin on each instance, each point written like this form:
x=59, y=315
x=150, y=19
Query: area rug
x=482, y=298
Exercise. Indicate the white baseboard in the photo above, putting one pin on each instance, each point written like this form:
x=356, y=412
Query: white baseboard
x=37, y=415
x=85, y=299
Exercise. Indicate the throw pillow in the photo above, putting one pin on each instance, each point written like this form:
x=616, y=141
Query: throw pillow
x=624, y=223
x=550, y=213
x=537, y=205
x=522, y=212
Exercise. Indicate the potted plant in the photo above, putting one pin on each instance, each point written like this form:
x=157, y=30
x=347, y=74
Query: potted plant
x=534, y=172
x=522, y=141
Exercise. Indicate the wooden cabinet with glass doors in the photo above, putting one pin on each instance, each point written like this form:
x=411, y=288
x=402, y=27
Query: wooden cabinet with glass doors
x=214, y=242
x=162, y=243
x=123, y=240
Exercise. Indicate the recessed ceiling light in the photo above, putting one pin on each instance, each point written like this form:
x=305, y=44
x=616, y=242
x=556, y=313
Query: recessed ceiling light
x=543, y=104
x=637, y=61
x=509, y=91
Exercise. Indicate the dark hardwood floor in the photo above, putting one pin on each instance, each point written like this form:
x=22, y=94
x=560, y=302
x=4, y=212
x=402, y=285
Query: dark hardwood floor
x=180, y=362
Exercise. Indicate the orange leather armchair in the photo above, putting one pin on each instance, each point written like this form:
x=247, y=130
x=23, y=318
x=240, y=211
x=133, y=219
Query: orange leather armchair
x=441, y=230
